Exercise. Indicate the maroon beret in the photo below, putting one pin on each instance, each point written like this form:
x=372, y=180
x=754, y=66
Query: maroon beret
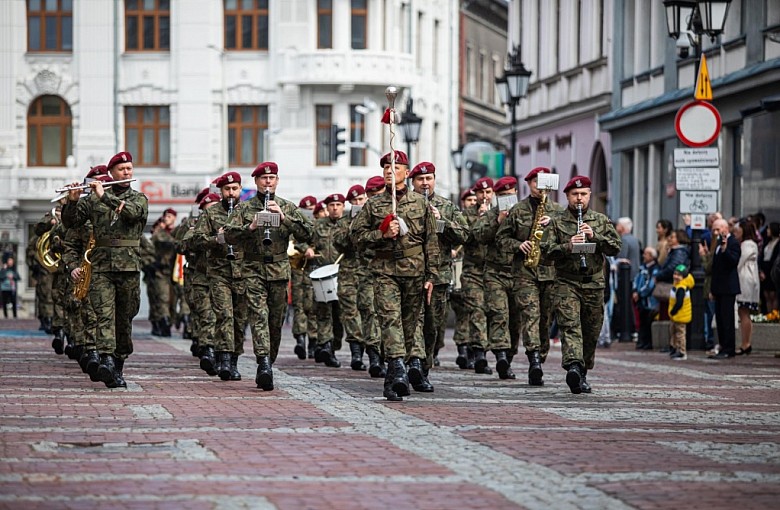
x=468, y=193
x=357, y=190
x=375, y=183
x=505, y=183
x=577, y=182
x=320, y=206
x=97, y=170
x=209, y=198
x=228, y=178
x=170, y=210
x=201, y=194
x=122, y=157
x=103, y=178
x=307, y=201
x=483, y=183
x=536, y=171
x=423, y=168
x=266, y=168
x=400, y=159
x=335, y=197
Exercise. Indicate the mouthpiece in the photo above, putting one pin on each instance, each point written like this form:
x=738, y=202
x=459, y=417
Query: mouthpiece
x=391, y=93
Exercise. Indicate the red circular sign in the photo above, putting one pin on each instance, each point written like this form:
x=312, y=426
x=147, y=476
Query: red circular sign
x=697, y=124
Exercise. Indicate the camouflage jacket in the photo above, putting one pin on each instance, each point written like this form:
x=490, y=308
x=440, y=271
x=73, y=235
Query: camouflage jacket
x=118, y=218
x=75, y=244
x=196, y=261
x=322, y=242
x=270, y=262
x=44, y=224
x=416, y=253
x=473, y=251
x=456, y=232
x=148, y=257
x=516, y=229
x=203, y=241
x=164, y=249
x=567, y=265
x=355, y=256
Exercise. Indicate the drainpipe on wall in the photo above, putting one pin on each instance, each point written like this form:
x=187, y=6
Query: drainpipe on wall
x=116, y=76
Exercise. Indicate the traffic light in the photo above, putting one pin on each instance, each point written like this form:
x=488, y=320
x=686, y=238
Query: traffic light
x=336, y=143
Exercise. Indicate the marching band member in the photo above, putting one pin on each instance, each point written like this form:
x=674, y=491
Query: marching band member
x=304, y=315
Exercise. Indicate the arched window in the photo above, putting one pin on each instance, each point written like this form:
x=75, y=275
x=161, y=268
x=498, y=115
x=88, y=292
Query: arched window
x=48, y=132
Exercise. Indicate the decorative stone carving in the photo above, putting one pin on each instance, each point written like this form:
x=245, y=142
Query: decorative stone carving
x=47, y=82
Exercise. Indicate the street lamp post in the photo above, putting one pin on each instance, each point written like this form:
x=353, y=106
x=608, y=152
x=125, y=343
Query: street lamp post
x=457, y=162
x=410, y=125
x=692, y=19
x=512, y=87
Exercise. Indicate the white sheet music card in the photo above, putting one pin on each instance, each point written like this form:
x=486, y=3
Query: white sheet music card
x=268, y=219
x=547, y=181
x=355, y=210
x=506, y=202
x=307, y=213
x=583, y=248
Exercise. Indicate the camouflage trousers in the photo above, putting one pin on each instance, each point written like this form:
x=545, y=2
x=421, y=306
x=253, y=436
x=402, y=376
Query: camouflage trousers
x=433, y=319
x=461, y=334
x=535, y=303
x=161, y=286
x=580, y=314
x=82, y=321
x=202, y=316
x=304, y=315
x=348, y=291
x=115, y=298
x=398, y=301
x=329, y=327
x=181, y=306
x=365, y=304
x=503, y=316
x=229, y=304
x=266, y=303
x=59, y=292
x=43, y=297
x=473, y=288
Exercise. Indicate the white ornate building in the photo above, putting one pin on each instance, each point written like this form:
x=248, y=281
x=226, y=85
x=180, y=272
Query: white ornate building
x=194, y=87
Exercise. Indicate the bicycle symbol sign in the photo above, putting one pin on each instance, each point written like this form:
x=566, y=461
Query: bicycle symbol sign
x=701, y=202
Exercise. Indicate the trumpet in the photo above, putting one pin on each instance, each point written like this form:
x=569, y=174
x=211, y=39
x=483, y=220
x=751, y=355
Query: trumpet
x=231, y=254
x=74, y=187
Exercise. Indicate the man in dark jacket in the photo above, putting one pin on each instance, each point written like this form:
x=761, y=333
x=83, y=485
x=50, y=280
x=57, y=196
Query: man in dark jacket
x=725, y=287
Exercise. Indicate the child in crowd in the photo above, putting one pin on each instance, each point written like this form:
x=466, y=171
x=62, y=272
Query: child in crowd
x=680, y=310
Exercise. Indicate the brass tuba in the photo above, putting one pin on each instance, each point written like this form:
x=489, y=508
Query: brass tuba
x=81, y=288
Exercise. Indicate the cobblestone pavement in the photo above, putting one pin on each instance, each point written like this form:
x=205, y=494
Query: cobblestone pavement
x=654, y=434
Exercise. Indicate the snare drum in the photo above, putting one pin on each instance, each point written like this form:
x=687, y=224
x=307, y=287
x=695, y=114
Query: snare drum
x=324, y=281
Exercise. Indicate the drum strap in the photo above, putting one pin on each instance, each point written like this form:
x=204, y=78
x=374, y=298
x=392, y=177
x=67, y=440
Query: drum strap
x=398, y=254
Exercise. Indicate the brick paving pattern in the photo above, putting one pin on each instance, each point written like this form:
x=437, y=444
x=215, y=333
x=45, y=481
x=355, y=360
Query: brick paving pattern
x=654, y=434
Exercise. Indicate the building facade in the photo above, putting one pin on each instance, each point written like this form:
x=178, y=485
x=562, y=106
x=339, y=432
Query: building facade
x=193, y=88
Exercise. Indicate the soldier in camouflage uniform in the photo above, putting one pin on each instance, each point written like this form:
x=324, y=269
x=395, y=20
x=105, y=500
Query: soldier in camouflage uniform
x=304, y=317
x=225, y=272
x=329, y=328
x=57, y=231
x=165, y=251
x=473, y=284
x=42, y=279
x=578, y=292
x=461, y=334
x=534, y=284
x=266, y=264
x=452, y=231
x=118, y=216
x=405, y=265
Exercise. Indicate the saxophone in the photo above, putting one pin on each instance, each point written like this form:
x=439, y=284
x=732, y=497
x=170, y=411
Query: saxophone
x=532, y=259
x=82, y=285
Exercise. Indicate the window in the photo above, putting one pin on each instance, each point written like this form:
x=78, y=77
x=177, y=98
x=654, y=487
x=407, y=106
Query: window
x=419, y=41
x=48, y=132
x=357, y=133
x=324, y=115
x=49, y=25
x=147, y=25
x=359, y=22
x=324, y=24
x=148, y=135
x=246, y=24
x=247, y=126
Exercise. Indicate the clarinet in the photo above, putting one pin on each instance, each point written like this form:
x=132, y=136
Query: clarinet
x=583, y=262
x=231, y=254
x=267, y=232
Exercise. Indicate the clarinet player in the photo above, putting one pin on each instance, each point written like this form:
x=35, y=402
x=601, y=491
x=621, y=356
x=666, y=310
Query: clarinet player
x=579, y=286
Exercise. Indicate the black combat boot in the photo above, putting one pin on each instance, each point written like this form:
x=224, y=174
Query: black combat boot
x=415, y=371
x=535, y=372
x=574, y=378
x=119, y=378
x=436, y=361
x=223, y=365
x=93, y=363
x=311, y=347
x=325, y=354
x=70, y=348
x=300, y=346
x=481, y=362
x=584, y=382
x=187, y=331
x=194, y=347
x=469, y=358
x=400, y=381
x=156, y=328
x=463, y=356
x=376, y=367
x=106, y=372
x=165, y=327
x=83, y=359
x=389, y=393
x=356, y=349
x=503, y=367
x=424, y=386
x=207, y=361
x=58, y=342
x=42, y=326
x=265, y=374
x=235, y=375
x=48, y=328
